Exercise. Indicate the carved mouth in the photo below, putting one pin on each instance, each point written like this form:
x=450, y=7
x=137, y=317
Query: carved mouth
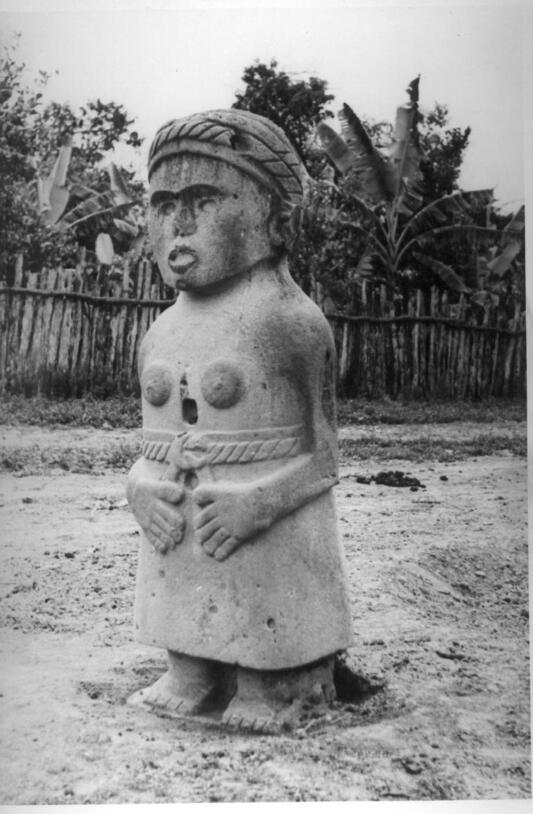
x=180, y=260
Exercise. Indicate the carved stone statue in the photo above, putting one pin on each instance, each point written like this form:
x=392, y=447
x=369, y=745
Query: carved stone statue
x=241, y=576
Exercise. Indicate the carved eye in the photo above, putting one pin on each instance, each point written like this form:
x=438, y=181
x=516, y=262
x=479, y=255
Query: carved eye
x=166, y=207
x=203, y=203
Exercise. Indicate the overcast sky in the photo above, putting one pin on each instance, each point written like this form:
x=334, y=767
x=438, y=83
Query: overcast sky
x=177, y=58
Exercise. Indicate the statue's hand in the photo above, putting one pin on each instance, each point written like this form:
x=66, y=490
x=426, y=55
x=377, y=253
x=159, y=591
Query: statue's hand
x=153, y=505
x=229, y=515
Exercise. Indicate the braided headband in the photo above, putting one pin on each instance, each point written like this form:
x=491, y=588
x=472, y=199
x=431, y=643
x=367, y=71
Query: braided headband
x=249, y=142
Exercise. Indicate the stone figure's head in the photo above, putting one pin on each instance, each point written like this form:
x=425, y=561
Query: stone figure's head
x=223, y=187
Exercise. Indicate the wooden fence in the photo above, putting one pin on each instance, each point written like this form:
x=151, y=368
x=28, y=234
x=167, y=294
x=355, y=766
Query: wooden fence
x=76, y=331
x=429, y=347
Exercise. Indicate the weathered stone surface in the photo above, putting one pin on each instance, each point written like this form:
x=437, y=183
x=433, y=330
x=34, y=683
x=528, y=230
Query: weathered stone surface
x=240, y=560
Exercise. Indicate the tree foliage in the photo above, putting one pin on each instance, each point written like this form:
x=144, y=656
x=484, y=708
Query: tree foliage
x=443, y=150
x=31, y=135
x=295, y=105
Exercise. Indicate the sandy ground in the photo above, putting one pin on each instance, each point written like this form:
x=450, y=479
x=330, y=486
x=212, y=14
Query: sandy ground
x=438, y=586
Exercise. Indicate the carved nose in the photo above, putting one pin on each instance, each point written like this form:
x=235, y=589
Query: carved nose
x=184, y=223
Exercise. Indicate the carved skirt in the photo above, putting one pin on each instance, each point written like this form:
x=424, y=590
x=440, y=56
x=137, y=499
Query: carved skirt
x=278, y=601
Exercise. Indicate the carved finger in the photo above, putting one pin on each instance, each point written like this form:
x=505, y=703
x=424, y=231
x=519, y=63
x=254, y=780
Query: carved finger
x=207, y=531
x=160, y=523
x=203, y=517
x=160, y=547
x=203, y=495
x=178, y=529
x=155, y=541
x=215, y=541
x=171, y=492
x=227, y=548
x=161, y=535
x=169, y=514
x=177, y=534
x=173, y=528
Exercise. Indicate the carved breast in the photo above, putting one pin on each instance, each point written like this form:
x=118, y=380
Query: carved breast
x=156, y=383
x=222, y=384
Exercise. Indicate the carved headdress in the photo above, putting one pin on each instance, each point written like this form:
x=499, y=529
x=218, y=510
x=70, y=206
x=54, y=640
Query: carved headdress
x=249, y=142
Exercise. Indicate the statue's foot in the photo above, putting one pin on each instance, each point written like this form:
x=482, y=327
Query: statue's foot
x=189, y=687
x=261, y=717
x=271, y=702
x=165, y=695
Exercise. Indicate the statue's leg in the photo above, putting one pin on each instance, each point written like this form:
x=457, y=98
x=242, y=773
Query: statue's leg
x=269, y=701
x=190, y=686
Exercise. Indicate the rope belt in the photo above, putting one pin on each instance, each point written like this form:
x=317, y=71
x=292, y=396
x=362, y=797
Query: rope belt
x=192, y=450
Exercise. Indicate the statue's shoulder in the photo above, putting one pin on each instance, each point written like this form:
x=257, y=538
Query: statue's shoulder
x=295, y=321
x=164, y=319
x=156, y=333
x=307, y=314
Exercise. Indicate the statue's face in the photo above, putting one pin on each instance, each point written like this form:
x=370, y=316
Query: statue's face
x=207, y=221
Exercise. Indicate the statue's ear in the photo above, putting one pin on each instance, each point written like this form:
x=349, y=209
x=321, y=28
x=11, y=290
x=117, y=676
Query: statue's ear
x=276, y=231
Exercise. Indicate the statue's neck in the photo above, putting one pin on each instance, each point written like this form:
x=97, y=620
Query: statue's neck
x=266, y=273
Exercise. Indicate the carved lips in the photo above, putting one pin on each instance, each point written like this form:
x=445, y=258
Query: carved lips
x=181, y=259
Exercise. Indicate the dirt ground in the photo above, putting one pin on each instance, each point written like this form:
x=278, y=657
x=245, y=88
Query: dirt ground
x=439, y=592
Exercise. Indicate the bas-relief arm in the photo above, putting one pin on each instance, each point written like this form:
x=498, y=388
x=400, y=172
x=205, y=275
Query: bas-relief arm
x=232, y=513
x=154, y=501
x=154, y=505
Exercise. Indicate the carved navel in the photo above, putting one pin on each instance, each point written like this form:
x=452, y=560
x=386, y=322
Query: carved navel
x=222, y=384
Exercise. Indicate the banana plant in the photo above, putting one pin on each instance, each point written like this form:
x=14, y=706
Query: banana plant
x=112, y=207
x=384, y=186
x=496, y=266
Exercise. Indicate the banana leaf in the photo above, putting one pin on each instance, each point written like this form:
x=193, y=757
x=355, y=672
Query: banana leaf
x=410, y=199
x=55, y=200
x=444, y=272
x=485, y=298
x=79, y=190
x=510, y=246
x=439, y=212
x=502, y=262
x=370, y=169
x=118, y=187
x=404, y=153
x=413, y=90
x=516, y=225
x=52, y=191
x=335, y=147
x=95, y=206
x=126, y=226
x=356, y=228
x=467, y=230
x=104, y=249
x=364, y=270
x=372, y=216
